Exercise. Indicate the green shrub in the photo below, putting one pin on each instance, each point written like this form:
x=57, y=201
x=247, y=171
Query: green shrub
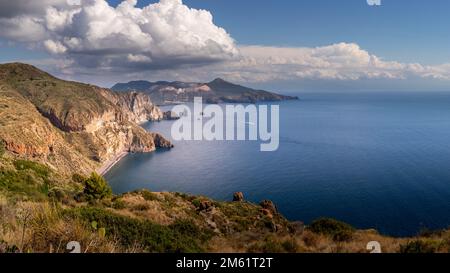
x=241, y=209
x=2, y=148
x=57, y=194
x=149, y=196
x=271, y=245
x=418, y=246
x=184, y=196
x=118, y=204
x=78, y=178
x=339, y=231
x=30, y=180
x=196, y=202
x=96, y=188
x=290, y=246
x=6, y=248
x=41, y=170
x=182, y=236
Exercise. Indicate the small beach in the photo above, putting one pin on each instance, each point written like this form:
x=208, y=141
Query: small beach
x=110, y=163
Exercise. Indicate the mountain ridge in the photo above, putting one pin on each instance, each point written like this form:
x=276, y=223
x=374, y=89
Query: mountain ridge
x=215, y=91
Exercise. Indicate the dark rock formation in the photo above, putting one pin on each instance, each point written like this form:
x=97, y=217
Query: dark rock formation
x=170, y=115
x=296, y=227
x=161, y=142
x=238, y=197
x=269, y=205
x=205, y=205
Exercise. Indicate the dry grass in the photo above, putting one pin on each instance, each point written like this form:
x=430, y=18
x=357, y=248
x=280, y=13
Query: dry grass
x=39, y=227
x=42, y=227
x=164, y=209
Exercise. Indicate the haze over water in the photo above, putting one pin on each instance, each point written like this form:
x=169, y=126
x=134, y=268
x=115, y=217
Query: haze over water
x=375, y=160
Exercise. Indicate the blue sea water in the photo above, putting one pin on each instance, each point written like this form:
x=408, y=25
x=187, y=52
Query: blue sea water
x=374, y=160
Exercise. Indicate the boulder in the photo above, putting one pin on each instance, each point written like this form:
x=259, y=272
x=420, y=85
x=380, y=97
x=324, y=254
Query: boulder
x=238, y=197
x=269, y=205
x=205, y=205
x=170, y=115
x=267, y=213
x=161, y=142
x=296, y=227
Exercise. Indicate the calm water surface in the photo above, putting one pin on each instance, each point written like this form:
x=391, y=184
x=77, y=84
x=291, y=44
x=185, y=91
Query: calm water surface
x=379, y=160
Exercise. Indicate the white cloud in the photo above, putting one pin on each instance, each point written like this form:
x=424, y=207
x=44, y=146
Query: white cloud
x=169, y=40
x=55, y=47
x=165, y=34
x=342, y=61
x=9, y=9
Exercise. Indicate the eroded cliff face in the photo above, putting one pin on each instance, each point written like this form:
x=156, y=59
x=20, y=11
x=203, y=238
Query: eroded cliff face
x=133, y=106
x=58, y=122
x=116, y=131
x=25, y=133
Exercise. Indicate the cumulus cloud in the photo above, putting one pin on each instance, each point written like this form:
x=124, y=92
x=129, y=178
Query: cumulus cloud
x=93, y=33
x=9, y=9
x=169, y=40
x=341, y=61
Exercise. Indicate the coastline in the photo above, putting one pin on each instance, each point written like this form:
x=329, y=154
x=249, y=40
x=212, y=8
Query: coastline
x=110, y=163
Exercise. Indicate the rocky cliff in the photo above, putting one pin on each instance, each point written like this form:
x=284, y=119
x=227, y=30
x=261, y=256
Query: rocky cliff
x=71, y=126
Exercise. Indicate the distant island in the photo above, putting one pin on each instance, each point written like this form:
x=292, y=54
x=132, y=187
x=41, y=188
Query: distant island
x=216, y=91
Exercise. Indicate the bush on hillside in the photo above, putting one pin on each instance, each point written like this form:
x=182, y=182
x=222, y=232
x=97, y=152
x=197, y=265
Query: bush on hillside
x=96, y=188
x=418, y=246
x=78, y=178
x=181, y=236
x=339, y=231
x=2, y=148
x=30, y=180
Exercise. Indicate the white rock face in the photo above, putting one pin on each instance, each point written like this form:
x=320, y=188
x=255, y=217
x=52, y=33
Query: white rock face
x=117, y=131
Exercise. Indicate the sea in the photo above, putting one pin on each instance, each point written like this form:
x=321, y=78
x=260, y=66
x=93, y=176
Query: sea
x=378, y=160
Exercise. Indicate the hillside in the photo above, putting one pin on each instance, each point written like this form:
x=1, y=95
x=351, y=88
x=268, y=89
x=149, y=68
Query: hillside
x=70, y=126
x=217, y=91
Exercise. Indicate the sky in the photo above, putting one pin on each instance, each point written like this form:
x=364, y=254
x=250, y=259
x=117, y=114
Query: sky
x=276, y=44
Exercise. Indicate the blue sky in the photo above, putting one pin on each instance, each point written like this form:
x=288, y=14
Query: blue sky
x=322, y=43
x=403, y=30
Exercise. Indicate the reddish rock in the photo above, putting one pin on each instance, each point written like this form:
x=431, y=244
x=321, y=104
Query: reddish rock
x=205, y=205
x=161, y=142
x=267, y=213
x=269, y=205
x=238, y=197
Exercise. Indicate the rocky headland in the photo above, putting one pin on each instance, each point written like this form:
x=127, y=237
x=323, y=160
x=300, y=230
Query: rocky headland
x=216, y=91
x=71, y=126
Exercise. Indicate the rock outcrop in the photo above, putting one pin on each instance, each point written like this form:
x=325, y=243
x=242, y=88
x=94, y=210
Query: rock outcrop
x=238, y=197
x=269, y=206
x=161, y=142
x=170, y=115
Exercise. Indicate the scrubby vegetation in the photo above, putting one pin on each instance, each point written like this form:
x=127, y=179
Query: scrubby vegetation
x=42, y=212
x=2, y=149
x=28, y=180
x=339, y=231
x=181, y=236
x=96, y=188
